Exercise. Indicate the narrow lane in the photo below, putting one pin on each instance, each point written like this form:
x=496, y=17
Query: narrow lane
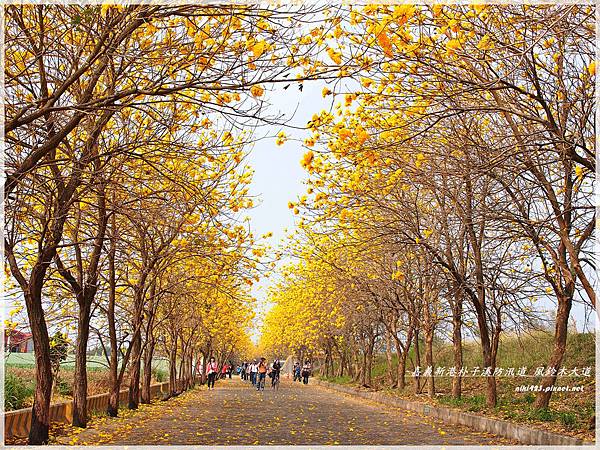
x=236, y=414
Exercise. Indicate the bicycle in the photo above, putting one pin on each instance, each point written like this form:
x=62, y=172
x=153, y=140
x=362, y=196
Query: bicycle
x=260, y=383
x=275, y=381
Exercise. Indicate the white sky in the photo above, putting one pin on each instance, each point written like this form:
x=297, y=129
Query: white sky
x=279, y=177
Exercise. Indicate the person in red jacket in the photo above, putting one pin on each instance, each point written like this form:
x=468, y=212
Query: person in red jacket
x=224, y=371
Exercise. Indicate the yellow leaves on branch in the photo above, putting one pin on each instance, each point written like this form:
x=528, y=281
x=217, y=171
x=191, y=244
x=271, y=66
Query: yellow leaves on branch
x=227, y=138
x=592, y=68
x=257, y=91
x=478, y=7
x=398, y=275
x=579, y=171
x=307, y=159
x=485, y=43
x=349, y=98
x=281, y=138
x=336, y=57
x=452, y=45
x=106, y=6
x=385, y=43
x=338, y=32
x=345, y=134
x=259, y=48
x=366, y=82
x=419, y=160
x=403, y=12
x=437, y=9
x=361, y=135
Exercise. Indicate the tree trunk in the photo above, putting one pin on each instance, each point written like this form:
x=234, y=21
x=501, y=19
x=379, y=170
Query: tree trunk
x=457, y=344
x=388, y=356
x=203, y=373
x=147, y=377
x=191, y=370
x=173, y=368
x=363, y=370
x=40, y=412
x=112, y=408
x=402, y=352
x=181, y=375
x=80, y=377
x=136, y=347
x=491, y=395
x=369, y=367
x=479, y=301
x=134, y=372
x=357, y=365
x=429, y=361
x=417, y=378
x=560, y=342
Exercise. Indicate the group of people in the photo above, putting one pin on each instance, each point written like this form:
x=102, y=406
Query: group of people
x=302, y=372
x=257, y=371
x=213, y=373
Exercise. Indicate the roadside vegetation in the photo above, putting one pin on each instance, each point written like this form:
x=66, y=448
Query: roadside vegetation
x=570, y=413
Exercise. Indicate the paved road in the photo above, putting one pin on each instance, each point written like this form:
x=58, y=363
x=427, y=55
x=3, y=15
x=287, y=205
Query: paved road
x=236, y=414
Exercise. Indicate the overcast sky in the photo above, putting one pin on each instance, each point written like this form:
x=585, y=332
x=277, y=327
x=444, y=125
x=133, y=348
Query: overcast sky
x=279, y=177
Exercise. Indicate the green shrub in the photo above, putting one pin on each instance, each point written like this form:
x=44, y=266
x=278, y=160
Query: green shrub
x=477, y=402
x=542, y=414
x=64, y=388
x=16, y=392
x=569, y=420
x=160, y=375
x=452, y=401
x=510, y=414
x=529, y=398
x=339, y=380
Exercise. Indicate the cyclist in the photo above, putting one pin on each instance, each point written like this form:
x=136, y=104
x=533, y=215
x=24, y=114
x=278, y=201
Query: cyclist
x=276, y=372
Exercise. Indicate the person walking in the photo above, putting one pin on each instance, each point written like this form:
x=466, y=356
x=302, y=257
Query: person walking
x=262, y=374
x=224, y=371
x=306, y=371
x=212, y=369
x=297, y=370
x=246, y=371
x=253, y=372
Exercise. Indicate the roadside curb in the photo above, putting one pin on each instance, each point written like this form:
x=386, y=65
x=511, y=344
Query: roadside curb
x=524, y=435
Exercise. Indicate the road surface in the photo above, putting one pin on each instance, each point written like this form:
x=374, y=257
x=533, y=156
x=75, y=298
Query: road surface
x=236, y=414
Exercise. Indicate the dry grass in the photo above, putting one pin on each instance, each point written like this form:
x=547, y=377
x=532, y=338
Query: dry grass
x=569, y=413
x=98, y=383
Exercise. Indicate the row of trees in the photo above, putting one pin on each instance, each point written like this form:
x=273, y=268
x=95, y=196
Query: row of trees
x=450, y=194
x=126, y=129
